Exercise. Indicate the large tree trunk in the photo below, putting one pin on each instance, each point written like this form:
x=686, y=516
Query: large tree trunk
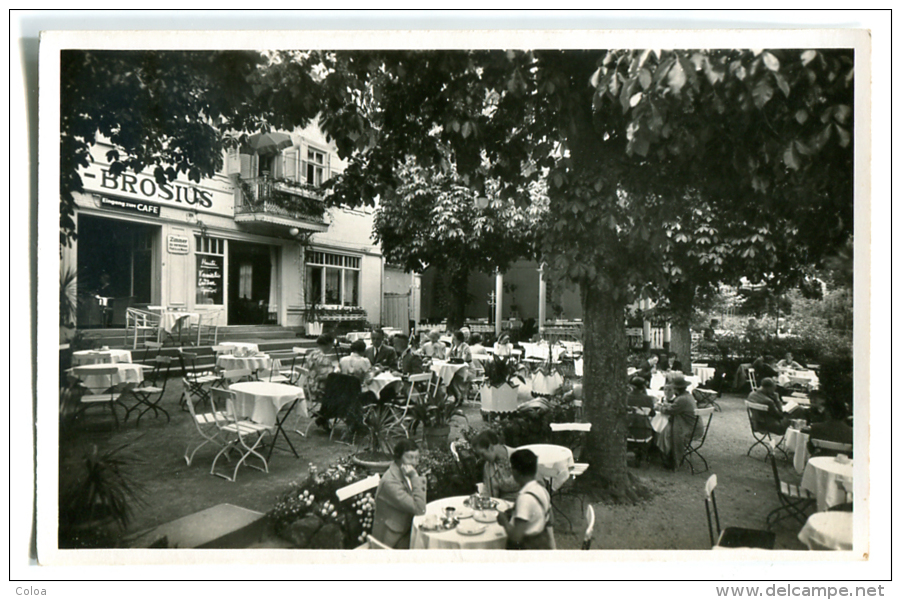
x=457, y=287
x=681, y=304
x=604, y=390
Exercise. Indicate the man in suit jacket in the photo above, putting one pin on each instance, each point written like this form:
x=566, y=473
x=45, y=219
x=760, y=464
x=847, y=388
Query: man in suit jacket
x=381, y=354
x=776, y=420
x=400, y=497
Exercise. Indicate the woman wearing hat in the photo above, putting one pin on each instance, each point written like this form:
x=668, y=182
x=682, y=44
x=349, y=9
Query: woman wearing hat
x=680, y=430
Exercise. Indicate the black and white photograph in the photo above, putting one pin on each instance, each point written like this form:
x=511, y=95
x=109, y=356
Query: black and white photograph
x=513, y=298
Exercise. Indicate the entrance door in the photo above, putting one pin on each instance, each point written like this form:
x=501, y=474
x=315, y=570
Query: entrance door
x=115, y=267
x=249, y=279
x=397, y=311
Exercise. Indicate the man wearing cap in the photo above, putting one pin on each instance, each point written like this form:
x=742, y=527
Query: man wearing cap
x=777, y=421
x=681, y=427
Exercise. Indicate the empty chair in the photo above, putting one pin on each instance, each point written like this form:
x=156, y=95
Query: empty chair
x=419, y=387
x=197, y=380
x=205, y=425
x=794, y=501
x=695, y=443
x=571, y=435
x=141, y=324
x=231, y=376
x=151, y=391
x=348, y=492
x=108, y=398
x=247, y=435
x=282, y=367
x=732, y=537
x=752, y=378
x=151, y=351
x=589, y=528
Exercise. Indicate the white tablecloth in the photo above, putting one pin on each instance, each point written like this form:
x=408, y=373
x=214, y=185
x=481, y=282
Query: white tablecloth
x=381, y=381
x=446, y=370
x=821, y=476
x=796, y=441
x=577, y=364
x=262, y=400
x=241, y=346
x=554, y=462
x=125, y=373
x=96, y=357
x=493, y=538
x=799, y=377
x=703, y=374
x=353, y=336
x=171, y=320
x=829, y=531
x=230, y=362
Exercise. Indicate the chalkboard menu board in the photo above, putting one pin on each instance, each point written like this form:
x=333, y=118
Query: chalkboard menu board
x=209, y=279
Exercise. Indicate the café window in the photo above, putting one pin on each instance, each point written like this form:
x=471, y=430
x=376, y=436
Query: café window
x=210, y=254
x=333, y=279
x=314, y=167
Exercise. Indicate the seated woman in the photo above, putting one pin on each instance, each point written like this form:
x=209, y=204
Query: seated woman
x=434, y=348
x=833, y=429
x=459, y=348
x=401, y=495
x=788, y=362
x=355, y=363
x=530, y=527
x=475, y=345
x=681, y=427
x=496, y=473
x=669, y=362
x=319, y=364
x=503, y=346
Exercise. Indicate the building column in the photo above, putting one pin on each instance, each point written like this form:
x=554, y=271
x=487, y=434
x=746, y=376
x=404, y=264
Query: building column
x=645, y=327
x=499, y=302
x=667, y=333
x=542, y=299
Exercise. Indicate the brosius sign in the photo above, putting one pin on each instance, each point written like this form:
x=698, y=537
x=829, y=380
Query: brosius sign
x=178, y=194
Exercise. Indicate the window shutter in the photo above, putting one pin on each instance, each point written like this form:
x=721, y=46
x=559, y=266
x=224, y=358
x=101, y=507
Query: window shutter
x=233, y=162
x=289, y=165
x=327, y=168
x=247, y=171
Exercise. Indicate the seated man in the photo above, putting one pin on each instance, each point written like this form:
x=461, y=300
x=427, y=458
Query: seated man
x=530, y=527
x=638, y=396
x=763, y=367
x=833, y=429
x=681, y=427
x=409, y=360
x=381, y=354
x=648, y=368
x=459, y=348
x=776, y=420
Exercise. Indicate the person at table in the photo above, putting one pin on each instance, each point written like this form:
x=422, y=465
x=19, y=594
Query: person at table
x=681, y=427
x=400, y=496
x=669, y=363
x=381, y=354
x=409, y=360
x=503, y=346
x=475, y=344
x=788, y=363
x=497, y=474
x=356, y=363
x=434, y=348
x=763, y=367
x=319, y=363
x=777, y=421
x=638, y=394
x=648, y=368
x=459, y=348
x=833, y=429
x=530, y=526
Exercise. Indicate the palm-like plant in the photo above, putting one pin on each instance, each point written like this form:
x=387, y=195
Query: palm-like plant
x=68, y=297
x=435, y=410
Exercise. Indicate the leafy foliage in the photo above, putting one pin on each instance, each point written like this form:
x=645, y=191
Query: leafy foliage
x=435, y=410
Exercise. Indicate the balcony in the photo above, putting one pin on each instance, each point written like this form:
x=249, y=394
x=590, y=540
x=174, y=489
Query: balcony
x=266, y=202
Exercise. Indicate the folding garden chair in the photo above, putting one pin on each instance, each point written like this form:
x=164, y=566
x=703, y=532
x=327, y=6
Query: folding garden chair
x=401, y=414
x=640, y=435
x=248, y=436
x=757, y=418
x=282, y=367
x=341, y=401
x=732, y=537
x=205, y=425
x=108, y=398
x=752, y=379
x=197, y=381
x=150, y=392
x=695, y=443
x=794, y=501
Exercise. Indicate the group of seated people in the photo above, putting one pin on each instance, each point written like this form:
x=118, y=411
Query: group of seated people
x=664, y=363
x=508, y=474
x=678, y=404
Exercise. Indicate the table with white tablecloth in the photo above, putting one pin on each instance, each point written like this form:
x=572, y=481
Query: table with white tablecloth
x=494, y=537
x=704, y=374
x=796, y=442
x=97, y=357
x=554, y=462
x=238, y=347
x=125, y=373
x=262, y=400
x=175, y=321
x=829, y=480
x=229, y=362
x=802, y=377
x=381, y=381
x=447, y=370
x=353, y=336
x=831, y=530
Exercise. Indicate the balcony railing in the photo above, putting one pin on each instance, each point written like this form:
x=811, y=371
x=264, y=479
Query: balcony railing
x=282, y=198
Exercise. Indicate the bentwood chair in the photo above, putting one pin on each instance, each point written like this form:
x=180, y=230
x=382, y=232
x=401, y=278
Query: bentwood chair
x=732, y=537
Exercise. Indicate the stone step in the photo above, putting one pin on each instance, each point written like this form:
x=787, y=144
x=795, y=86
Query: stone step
x=224, y=526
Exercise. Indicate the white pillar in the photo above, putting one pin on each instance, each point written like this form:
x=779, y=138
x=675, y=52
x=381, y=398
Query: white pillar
x=499, y=302
x=645, y=325
x=542, y=299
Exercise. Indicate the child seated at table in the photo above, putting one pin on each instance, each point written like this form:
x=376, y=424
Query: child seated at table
x=530, y=526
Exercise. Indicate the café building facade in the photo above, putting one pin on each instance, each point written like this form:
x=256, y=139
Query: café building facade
x=252, y=245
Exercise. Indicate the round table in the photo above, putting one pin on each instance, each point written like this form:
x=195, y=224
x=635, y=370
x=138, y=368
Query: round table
x=822, y=476
x=493, y=538
x=262, y=400
x=704, y=374
x=796, y=441
x=125, y=373
x=554, y=462
x=172, y=320
x=96, y=357
x=229, y=362
x=829, y=531
x=381, y=381
x=447, y=370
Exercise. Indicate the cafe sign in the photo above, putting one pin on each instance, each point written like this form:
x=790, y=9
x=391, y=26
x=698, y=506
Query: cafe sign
x=144, y=208
x=143, y=188
x=177, y=244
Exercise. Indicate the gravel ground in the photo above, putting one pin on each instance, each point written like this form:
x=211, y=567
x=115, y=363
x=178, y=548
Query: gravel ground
x=674, y=518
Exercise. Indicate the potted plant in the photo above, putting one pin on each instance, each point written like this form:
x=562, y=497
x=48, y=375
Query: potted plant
x=379, y=421
x=435, y=412
x=95, y=506
x=499, y=393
